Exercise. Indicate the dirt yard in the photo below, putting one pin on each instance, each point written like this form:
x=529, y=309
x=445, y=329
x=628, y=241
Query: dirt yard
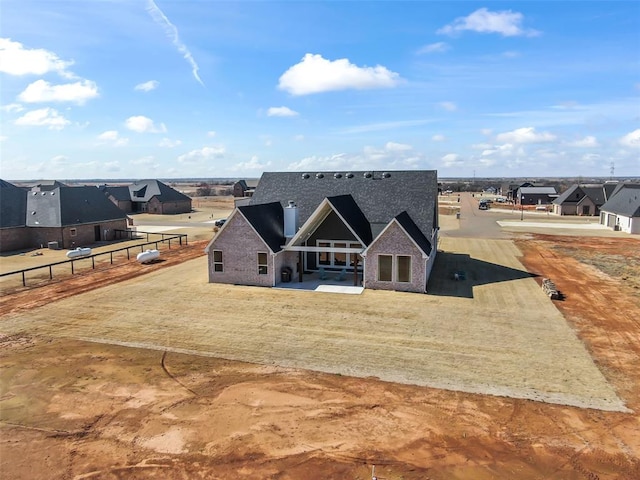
x=75, y=409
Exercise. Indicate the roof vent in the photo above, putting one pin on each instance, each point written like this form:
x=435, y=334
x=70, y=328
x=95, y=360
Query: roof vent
x=33, y=213
x=349, y=175
x=305, y=175
x=319, y=175
x=53, y=193
x=368, y=174
x=43, y=193
x=337, y=175
x=386, y=175
x=34, y=193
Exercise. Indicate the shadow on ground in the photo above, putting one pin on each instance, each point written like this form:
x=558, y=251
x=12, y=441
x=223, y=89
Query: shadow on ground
x=471, y=272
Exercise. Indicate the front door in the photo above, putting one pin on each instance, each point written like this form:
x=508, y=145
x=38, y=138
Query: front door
x=96, y=233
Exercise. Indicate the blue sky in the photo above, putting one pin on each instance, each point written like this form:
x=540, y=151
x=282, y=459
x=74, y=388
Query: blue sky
x=182, y=89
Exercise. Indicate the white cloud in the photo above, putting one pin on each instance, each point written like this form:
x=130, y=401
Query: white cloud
x=60, y=160
x=17, y=60
x=438, y=137
x=142, y=124
x=586, y=142
x=147, y=86
x=486, y=131
x=42, y=91
x=146, y=161
x=172, y=32
x=202, y=155
x=438, y=47
x=506, y=23
x=299, y=138
x=397, y=147
x=631, y=139
x=452, y=160
x=448, y=106
x=211, y=133
x=3, y=138
x=375, y=127
x=112, y=136
x=525, y=135
x=12, y=107
x=168, y=143
x=281, y=112
x=43, y=117
x=390, y=156
x=315, y=74
x=251, y=165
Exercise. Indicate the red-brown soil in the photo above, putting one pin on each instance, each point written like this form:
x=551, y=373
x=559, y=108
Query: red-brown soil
x=74, y=410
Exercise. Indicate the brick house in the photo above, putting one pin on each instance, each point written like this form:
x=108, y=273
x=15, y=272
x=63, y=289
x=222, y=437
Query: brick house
x=375, y=229
x=69, y=216
x=244, y=188
x=536, y=195
x=148, y=196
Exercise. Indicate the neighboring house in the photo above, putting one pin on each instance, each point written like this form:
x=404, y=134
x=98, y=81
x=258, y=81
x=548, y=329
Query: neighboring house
x=14, y=233
x=244, y=188
x=68, y=216
x=72, y=216
x=371, y=228
x=510, y=190
x=582, y=199
x=536, y=195
x=148, y=196
x=622, y=210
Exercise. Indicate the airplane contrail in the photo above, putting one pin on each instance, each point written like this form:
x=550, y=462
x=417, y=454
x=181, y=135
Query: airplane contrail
x=160, y=18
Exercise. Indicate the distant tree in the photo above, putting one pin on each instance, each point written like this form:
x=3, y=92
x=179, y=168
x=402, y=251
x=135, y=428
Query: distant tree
x=204, y=190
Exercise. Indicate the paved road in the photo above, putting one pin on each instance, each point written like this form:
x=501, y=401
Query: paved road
x=479, y=223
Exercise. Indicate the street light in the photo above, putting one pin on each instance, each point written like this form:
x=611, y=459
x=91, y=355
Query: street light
x=521, y=208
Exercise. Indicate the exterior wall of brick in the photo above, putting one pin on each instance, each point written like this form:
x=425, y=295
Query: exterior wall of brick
x=286, y=259
x=15, y=238
x=394, y=242
x=168, y=208
x=240, y=246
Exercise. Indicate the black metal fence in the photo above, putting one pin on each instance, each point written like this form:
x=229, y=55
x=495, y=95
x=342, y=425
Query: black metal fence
x=165, y=239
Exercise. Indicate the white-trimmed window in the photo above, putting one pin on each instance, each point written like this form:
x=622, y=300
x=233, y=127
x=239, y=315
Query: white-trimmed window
x=263, y=266
x=218, y=266
x=385, y=268
x=336, y=259
x=73, y=232
x=403, y=268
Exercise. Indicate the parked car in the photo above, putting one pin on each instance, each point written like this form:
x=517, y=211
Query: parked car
x=220, y=222
x=483, y=205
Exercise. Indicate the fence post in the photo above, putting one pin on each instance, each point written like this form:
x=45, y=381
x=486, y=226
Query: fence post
x=50, y=273
x=72, y=272
x=24, y=281
x=93, y=263
x=111, y=255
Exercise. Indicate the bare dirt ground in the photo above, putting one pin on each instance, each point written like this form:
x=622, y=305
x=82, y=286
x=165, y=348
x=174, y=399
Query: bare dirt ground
x=74, y=409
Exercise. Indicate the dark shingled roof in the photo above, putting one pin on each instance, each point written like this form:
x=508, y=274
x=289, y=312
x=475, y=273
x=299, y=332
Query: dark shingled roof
x=13, y=205
x=576, y=193
x=414, y=232
x=268, y=220
x=70, y=206
x=145, y=190
x=120, y=193
x=379, y=197
x=348, y=209
x=625, y=201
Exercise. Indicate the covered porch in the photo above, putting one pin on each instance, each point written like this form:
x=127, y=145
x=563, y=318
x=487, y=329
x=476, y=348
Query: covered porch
x=330, y=281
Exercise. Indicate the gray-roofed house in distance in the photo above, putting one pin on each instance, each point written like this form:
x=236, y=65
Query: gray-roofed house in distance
x=536, y=195
x=14, y=233
x=622, y=210
x=148, y=196
x=64, y=216
x=583, y=199
x=375, y=229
